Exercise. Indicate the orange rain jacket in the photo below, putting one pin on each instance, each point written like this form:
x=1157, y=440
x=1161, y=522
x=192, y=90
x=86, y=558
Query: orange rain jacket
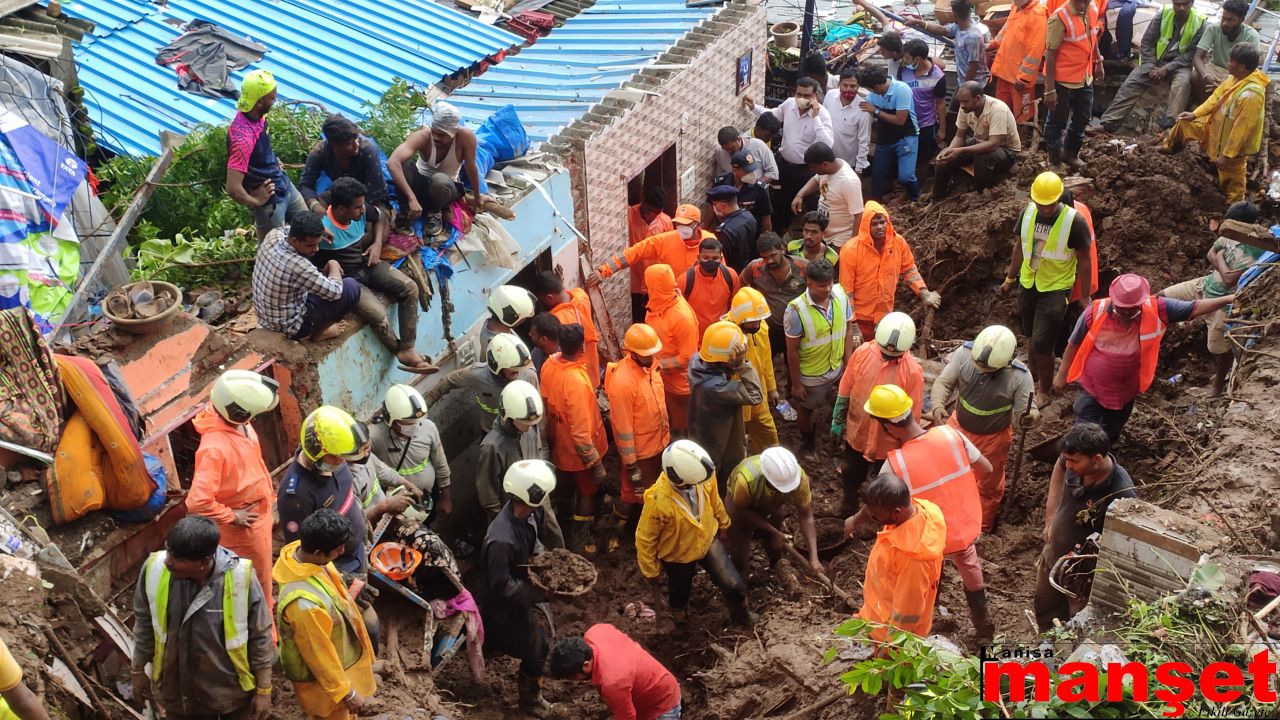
x=575, y=429
x=673, y=319
x=1020, y=45
x=578, y=311
x=871, y=278
x=664, y=248
x=637, y=231
x=710, y=297
x=637, y=409
x=903, y=571
x=230, y=475
x=867, y=369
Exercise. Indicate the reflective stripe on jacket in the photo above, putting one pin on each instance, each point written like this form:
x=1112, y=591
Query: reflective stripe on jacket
x=1079, y=46
x=1055, y=268
x=637, y=409
x=235, y=614
x=822, y=344
x=1151, y=329
x=936, y=467
x=1189, y=29
x=1021, y=44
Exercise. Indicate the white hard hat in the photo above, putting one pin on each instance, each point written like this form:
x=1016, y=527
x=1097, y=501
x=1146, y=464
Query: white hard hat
x=521, y=401
x=240, y=395
x=896, y=333
x=995, y=346
x=530, y=481
x=403, y=402
x=512, y=304
x=687, y=464
x=506, y=352
x=781, y=470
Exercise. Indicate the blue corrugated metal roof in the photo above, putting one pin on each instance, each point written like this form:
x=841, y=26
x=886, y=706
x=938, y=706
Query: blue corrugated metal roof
x=109, y=15
x=341, y=59
x=564, y=74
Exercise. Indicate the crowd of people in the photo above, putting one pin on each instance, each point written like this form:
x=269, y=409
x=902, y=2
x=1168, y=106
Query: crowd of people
x=738, y=325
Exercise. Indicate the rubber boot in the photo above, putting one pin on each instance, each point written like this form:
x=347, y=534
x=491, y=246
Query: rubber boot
x=584, y=540
x=1071, y=158
x=1055, y=158
x=984, y=629
x=740, y=615
x=616, y=532
x=531, y=701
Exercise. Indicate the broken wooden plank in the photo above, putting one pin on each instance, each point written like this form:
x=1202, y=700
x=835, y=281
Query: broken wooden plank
x=1249, y=234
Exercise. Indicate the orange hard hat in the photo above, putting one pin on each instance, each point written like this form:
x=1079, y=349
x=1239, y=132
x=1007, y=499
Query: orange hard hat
x=642, y=340
x=395, y=560
x=687, y=215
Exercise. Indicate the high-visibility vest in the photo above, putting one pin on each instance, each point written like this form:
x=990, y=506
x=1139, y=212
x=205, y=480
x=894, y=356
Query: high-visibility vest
x=1189, y=29
x=1079, y=44
x=1055, y=269
x=936, y=468
x=344, y=637
x=1151, y=329
x=1021, y=41
x=822, y=344
x=235, y=614
x=1087, y=214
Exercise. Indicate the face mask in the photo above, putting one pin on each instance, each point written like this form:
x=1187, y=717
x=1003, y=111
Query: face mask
x=686, y=231
x=406, y=429
x=709, y=266
x=325, y=468
x=749, y=179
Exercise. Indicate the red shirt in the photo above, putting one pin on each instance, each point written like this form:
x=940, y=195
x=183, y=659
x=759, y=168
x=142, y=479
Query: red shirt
x=632, y=683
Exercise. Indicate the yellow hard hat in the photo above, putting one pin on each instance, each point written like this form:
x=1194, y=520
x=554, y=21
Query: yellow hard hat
x=332, y=431
x=888, y=402
x=1046, y=188
x=720, y=342
x=748, y=306
x=257, y=85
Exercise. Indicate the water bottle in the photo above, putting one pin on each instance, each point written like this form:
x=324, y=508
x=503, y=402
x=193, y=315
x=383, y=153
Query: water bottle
x=1273, y=190
x=787, y=412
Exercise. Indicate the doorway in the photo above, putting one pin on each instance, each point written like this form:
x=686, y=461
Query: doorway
x=661, y=175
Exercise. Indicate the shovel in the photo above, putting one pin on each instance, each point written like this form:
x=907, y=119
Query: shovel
x=1017, y=460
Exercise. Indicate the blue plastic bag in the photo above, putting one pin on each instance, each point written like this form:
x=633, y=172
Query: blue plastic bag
x=155, y=503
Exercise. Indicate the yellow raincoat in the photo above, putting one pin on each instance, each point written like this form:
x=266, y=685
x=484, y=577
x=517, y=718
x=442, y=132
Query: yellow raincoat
x=333, y=644
x=761, y=431
x=1228, y=125
x=670, y=531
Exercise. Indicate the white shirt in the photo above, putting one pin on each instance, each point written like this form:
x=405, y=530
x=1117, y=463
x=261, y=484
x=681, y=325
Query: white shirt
x=759, y=150
x=799, y=131
x=840, y=194
x=851, y=128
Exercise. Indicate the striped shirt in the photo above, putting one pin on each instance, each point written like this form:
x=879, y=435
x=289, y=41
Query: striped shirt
x=282, y=280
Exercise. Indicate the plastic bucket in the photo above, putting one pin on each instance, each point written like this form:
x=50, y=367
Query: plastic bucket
x=786, y=34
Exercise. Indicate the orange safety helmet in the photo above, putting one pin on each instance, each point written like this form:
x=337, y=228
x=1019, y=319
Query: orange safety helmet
x=395, y=560
x=642, y=340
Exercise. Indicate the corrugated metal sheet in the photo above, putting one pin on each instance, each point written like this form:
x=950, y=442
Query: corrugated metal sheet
x=109, y=15
x=564, y=74
x=340, y=59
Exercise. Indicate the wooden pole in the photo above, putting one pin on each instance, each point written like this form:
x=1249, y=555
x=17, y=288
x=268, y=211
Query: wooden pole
x=803, y=562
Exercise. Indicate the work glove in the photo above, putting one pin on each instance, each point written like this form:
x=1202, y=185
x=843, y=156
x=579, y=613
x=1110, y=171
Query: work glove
x=839, y=414
x=604, y=271
x=932, y=299
x=938, y=414
x=1030, y=420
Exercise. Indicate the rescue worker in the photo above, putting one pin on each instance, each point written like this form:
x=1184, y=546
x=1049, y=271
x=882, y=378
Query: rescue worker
x=1072, y=63
x=682, y=517
x=709, y=286
x=884, y=360
x=575, y=431
x=514, y=438
x=381, y=490
x=506, y=359
x=673, y=320
x=722, y=385
x=1075, y=190
x=901, y=583
x=638, y=411
x=993, y=393
x=1168, y=46
x=1228, y=125
x=509, y=307
x=16, y=698
x=677, y=249
x=1051, y=251
x=506, y=596
x=231, y=484
x=749, y=311
x=1019, y=50
x=781, y=279
x=820, y=337
x=571, y=307
x=409, y=442
x=632, y=683
x=644, y=220
x=1115, y=347
x=204, y=623
x=759, y=488
x=871, y=265
x=939, y=466
x=325, y=650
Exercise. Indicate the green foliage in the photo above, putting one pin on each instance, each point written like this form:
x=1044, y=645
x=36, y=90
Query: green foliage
x=189, y=214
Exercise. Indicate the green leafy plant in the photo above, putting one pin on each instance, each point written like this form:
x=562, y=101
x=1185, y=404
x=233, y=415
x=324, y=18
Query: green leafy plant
x=193, y=262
